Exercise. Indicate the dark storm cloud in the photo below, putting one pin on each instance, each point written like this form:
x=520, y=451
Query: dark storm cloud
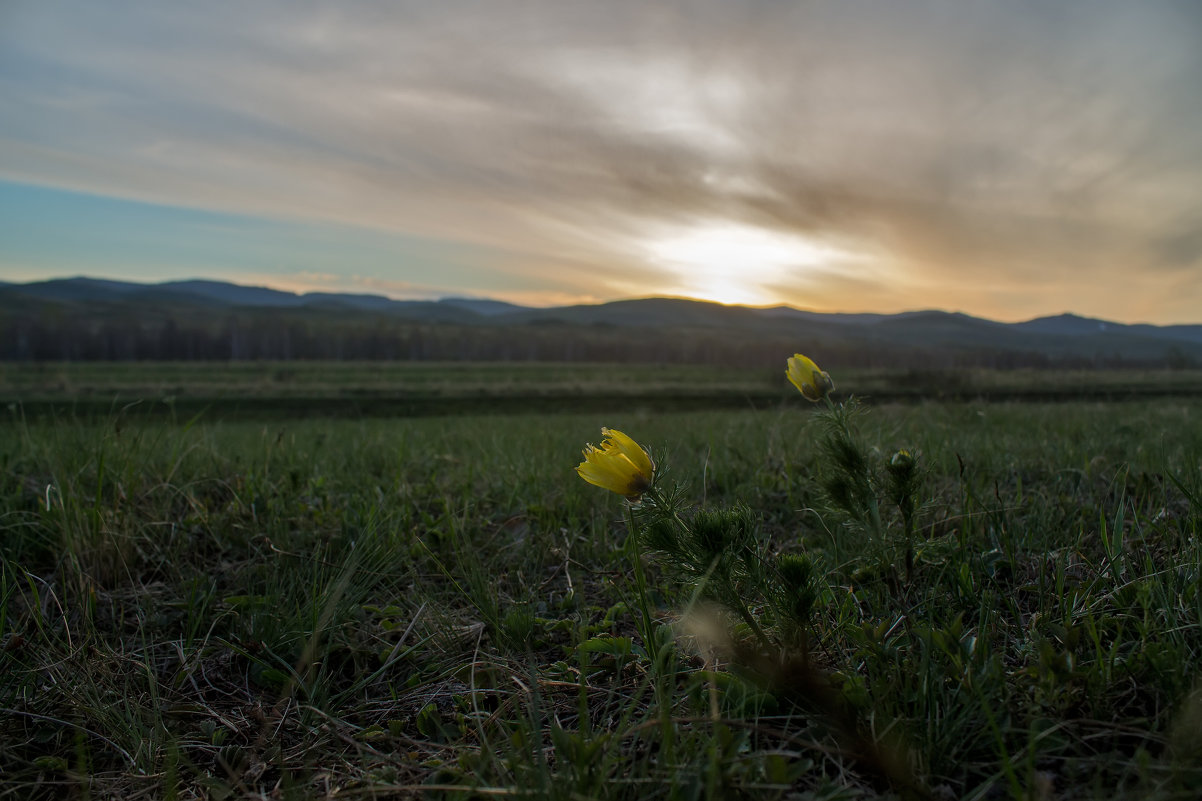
x=953, y=145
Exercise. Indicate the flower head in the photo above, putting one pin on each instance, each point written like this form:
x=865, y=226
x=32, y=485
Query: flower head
x=620, y=465
x=812, y=383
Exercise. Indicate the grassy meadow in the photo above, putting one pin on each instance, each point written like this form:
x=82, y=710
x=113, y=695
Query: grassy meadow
x=268, y=390
x=301, y=604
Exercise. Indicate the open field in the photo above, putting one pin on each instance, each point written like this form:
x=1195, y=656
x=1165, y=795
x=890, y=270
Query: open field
x=268, y=390
x=439, y=607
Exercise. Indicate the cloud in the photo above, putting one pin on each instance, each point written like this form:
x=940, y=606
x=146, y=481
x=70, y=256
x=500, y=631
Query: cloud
x=973, y=148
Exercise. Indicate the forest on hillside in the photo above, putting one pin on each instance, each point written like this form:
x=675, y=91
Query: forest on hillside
x=286, y=334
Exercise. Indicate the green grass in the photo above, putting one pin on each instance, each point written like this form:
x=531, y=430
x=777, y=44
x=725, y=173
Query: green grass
x=439, y=607
x=270, y=390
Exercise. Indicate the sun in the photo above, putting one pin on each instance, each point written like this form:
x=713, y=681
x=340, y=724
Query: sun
x=734, y=263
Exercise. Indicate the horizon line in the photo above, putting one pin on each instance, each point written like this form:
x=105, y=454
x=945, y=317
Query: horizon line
x=486, y=298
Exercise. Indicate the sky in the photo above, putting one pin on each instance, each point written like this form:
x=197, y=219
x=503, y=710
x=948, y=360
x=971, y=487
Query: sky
x=1005, y=158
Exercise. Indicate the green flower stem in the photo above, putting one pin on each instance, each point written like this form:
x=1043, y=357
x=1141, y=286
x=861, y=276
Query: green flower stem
x=874, y=515
x=868, y=496
x=745, y=613
x=657, y=500
x=634, y=552
x=654, y=499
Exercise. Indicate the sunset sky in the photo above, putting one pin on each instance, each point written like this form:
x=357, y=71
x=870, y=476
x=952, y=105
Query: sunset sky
x=1009, y=159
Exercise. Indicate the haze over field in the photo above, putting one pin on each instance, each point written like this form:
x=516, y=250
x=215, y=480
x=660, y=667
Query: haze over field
x=1009, y=160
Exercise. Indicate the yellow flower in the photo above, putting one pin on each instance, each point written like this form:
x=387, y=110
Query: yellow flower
x=620, y=465
x=813, y=383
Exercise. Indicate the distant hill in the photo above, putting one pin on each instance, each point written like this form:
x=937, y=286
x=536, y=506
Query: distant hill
x=484, y=306
x=1185, y=333
x=337, y=300
x=75, y=289
x=1064, y=324
x=89, y=318
x=825, y=317
x=235, y=294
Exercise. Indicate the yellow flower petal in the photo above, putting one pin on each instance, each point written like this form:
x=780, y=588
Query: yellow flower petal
x=630, y=449
x=811, y=382
x=620, y=465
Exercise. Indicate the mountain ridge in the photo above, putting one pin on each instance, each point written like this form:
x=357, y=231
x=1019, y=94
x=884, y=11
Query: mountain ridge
x=85, y=307
x=253, y=295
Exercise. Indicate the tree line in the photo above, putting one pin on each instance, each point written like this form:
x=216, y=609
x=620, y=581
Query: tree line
x=295, y=334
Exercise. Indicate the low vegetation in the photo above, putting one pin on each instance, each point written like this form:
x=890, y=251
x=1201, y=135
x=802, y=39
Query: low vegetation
x=271, y=390
x=963, y=600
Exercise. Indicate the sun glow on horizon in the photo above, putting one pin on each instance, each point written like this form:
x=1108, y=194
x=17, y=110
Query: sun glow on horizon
x=734, y=263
